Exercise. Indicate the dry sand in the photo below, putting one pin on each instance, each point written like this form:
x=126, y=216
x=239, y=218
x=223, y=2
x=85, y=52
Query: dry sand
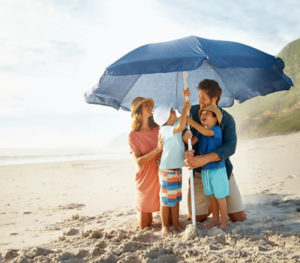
x=85, y=212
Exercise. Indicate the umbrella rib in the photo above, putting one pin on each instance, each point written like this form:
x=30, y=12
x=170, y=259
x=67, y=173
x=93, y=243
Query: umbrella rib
x=221, y=79
x=130, y=90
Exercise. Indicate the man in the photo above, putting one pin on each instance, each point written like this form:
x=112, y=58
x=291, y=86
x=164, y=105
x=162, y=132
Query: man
x=209, y=93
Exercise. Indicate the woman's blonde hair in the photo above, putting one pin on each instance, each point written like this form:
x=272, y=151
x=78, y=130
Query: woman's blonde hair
x=136, y=120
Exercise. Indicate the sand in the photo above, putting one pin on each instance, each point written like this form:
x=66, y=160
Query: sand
x=84, y=211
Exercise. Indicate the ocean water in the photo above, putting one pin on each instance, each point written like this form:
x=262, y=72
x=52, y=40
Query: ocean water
x=12, y=156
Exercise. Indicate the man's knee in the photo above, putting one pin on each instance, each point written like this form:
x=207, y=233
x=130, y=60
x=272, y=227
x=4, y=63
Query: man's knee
x=200, y=218
x=238, y=216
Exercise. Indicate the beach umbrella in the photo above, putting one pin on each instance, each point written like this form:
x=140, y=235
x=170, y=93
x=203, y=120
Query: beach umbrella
x=155, y=71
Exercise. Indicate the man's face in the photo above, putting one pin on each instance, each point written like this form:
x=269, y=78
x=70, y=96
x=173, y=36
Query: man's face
x=204, y=99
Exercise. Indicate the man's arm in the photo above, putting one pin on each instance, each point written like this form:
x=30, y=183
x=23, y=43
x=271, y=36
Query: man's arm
x=229, y=138
x=221, y=153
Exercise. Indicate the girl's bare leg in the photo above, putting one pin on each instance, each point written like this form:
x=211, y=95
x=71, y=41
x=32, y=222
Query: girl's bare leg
x=145, y=220
x=223, y=212
x=164, y=215
x=175, y=218
x=215, y=212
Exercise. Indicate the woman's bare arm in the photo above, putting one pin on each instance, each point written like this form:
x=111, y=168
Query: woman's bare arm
x=142, y=159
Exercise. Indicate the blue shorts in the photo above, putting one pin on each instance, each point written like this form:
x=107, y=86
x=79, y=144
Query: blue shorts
x=215, y=182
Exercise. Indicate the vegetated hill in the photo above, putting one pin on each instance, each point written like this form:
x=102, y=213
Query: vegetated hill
x=276, y=113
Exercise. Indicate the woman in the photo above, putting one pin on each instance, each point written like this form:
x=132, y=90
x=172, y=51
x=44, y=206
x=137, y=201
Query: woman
x=144, y=145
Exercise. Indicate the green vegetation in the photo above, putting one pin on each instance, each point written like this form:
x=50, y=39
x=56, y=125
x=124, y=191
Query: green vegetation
x=276, y=113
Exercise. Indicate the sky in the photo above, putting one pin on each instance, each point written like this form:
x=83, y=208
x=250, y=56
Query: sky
x=52, y=51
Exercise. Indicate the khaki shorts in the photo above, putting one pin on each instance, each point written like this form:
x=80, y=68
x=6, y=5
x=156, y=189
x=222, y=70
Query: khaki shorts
x=234, y=200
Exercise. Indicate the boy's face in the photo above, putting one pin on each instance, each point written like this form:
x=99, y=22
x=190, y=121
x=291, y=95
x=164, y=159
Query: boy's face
x=208, y=119
x=172, y=118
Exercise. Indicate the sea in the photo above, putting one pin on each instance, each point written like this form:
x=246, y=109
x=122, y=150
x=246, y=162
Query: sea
x=14, y=156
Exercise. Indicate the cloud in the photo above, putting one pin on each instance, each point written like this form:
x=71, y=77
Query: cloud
x=267, y=25
x=52, y=51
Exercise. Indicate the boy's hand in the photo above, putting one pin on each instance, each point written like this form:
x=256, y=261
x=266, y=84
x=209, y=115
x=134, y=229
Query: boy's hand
x=186, y=93
x=187, y=135
x=189, y=121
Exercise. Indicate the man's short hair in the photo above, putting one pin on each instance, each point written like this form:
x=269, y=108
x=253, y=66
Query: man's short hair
x=212, y=88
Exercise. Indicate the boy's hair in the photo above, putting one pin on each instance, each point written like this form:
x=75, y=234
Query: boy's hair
x=212, y=88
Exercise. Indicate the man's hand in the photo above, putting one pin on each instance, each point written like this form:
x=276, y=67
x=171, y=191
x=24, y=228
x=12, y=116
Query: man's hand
x=192, y=162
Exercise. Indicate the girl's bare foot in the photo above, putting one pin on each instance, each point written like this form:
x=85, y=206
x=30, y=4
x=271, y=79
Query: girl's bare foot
x=179, y=227
x=165, y=230
x=211, y=224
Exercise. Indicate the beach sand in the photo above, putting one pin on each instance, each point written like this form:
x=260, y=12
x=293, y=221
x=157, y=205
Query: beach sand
x=84, y=211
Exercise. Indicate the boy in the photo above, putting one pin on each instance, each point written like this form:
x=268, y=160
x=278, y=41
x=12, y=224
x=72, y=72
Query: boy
x=214, y=176
x=171, y=162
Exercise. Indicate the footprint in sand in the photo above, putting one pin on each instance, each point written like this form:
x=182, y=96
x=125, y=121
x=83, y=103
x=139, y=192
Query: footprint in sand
x=27, y=213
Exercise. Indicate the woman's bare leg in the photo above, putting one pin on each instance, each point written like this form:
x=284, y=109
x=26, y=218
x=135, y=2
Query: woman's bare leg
x=145, y=220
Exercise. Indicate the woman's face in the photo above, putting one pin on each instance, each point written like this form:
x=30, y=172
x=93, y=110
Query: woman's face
x=147, y=109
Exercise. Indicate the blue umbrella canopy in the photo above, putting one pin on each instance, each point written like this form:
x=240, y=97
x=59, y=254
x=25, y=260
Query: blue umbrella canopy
x=155, y=71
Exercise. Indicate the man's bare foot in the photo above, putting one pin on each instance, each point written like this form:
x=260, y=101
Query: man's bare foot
x=211, y=224
x=165, y=230
x=179, y=227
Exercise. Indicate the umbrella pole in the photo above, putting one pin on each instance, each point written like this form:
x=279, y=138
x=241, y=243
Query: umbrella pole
x=185, y=76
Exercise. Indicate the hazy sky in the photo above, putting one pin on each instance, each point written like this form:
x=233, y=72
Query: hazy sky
x=52, y=51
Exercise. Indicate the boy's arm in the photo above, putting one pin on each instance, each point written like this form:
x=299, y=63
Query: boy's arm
x=204, y=131
x=187, y=135
x=182, y=122
x=221, y=153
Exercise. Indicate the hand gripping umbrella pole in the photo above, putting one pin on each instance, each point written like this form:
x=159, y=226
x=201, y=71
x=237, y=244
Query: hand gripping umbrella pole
x=185, y=77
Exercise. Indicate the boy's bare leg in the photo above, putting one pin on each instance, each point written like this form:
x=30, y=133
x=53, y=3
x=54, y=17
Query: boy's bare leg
x=145, y=220
x=215, y=212
x=170, y=217
x=175, y=218
x=223, y=211
x=164, y=215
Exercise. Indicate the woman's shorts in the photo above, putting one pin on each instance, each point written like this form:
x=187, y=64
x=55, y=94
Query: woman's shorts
x=170, y=186
x=215, y=182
